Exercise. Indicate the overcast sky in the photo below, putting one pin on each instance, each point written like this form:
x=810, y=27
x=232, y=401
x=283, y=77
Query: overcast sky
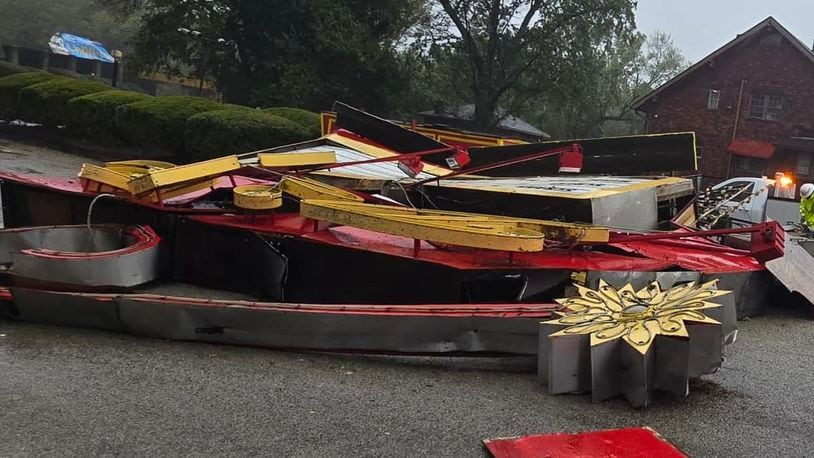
x=699, y=27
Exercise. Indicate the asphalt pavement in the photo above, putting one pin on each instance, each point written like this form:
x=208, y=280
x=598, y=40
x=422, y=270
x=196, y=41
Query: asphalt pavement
x=67, y=391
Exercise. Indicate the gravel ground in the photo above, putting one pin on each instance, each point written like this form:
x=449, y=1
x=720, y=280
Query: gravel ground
x=77, y=392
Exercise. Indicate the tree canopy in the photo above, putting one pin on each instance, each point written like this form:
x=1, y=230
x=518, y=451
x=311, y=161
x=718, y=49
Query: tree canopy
x=570, y=67
x=270, y=52
x=31, y=23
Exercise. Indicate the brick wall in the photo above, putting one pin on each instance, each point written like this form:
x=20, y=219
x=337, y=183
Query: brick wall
x=766, y=62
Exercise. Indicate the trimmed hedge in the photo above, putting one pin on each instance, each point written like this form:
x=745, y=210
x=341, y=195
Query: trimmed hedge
x=7, y=68
x=217, y=133
x=46, y=102
x=80, y=76
x=10, y=87
x=96, y=113
x=190, y=127
x=161, y=121
x=307, y=119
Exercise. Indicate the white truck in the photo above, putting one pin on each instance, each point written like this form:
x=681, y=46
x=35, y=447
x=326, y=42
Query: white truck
x=766, y=199
x=763, y=199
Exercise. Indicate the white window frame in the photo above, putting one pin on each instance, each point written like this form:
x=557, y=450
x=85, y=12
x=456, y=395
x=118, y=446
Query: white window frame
x=804, y=164
x=713, y=99
x=765, y=106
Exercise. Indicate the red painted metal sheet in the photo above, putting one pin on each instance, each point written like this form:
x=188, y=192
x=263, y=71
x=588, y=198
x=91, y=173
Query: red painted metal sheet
x=698, y=255
x=752, y=148
x=629, y=442
x=360, y=239
x=484, y=259
x=74, y=186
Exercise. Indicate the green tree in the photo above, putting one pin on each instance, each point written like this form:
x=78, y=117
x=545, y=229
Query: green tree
x=31, y=23
x=281, y=52
x=596, y=97
x=509, y=51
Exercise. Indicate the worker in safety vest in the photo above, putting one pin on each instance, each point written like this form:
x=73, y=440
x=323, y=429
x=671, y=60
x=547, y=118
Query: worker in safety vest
x=807, y=205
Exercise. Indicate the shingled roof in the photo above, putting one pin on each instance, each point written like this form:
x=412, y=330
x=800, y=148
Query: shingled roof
x=769, y=22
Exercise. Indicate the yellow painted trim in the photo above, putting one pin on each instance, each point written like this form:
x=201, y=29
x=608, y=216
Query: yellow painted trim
x=299, y=159
x=258, y=197
x=377, y=152
x=180, y=190
x=112, y=178
x=137, y=168
x=306, y=188
x=577, y=140
x=473, y=185
x=119, y=181
x=183, y=174
x=379, y=218
x=555, y=230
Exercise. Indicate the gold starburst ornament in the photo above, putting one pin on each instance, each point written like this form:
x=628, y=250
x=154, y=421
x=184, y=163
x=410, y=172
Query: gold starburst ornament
x=613, y=341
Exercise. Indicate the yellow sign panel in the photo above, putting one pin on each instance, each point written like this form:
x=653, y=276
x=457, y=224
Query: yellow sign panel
x=298, y=159
x=306, y=188
x=189, y=173
x=258, y=197
x=455, y=230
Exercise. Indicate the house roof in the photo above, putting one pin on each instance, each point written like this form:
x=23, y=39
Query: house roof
x=768, y=22
x=507, y=122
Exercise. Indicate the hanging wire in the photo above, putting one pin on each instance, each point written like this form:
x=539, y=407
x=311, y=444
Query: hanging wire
x=90, y=209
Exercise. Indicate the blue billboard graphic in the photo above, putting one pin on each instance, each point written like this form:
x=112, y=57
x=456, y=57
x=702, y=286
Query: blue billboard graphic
x=72, y=45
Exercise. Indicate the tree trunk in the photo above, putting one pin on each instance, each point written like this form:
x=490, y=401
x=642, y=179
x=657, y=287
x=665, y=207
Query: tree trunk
x=485, y=108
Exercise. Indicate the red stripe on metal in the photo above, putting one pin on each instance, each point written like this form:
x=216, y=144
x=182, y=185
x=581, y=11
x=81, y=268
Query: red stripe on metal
x=629, y=442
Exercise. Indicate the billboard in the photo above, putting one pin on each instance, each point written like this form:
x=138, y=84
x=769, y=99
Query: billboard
x=84, y=48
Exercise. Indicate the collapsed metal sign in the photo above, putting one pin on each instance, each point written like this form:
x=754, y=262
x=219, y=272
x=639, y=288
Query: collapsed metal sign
x=630, y=343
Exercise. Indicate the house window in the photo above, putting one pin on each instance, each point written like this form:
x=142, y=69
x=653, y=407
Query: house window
x=749, y=165
x=766, y=106
x=804, y=164
x=712, y=99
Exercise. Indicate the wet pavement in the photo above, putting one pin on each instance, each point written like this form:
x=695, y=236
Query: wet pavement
x=67, y=391
x=82, y=392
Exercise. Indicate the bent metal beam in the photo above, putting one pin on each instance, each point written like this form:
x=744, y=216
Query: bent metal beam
x=451, y=328
x=107, y=255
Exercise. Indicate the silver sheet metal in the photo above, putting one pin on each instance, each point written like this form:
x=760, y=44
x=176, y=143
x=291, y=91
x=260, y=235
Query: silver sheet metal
x=575, y=186
x=328, y=328
x=636, y=210
x=104, y=255
x=375, y=170
x=596, y=346
x=751, y=291
x=795, y=270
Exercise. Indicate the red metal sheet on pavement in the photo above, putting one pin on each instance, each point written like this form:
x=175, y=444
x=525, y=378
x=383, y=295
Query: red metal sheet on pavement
x=628, y=442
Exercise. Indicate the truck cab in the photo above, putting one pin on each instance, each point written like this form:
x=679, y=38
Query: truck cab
x=760, y=199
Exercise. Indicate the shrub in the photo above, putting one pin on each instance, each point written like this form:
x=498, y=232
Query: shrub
x=160, y=121
x=71, y=74
x=96, y=113
x=47, y=102
x=10, y=87
x=7, y=68
x=217, y=133
x=63, y=72
x=307, y=119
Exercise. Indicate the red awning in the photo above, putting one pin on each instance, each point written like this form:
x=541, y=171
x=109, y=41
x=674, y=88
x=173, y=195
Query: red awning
x=752, y=148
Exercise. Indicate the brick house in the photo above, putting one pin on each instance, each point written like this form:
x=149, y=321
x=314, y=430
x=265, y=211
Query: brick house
x=750, y=103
